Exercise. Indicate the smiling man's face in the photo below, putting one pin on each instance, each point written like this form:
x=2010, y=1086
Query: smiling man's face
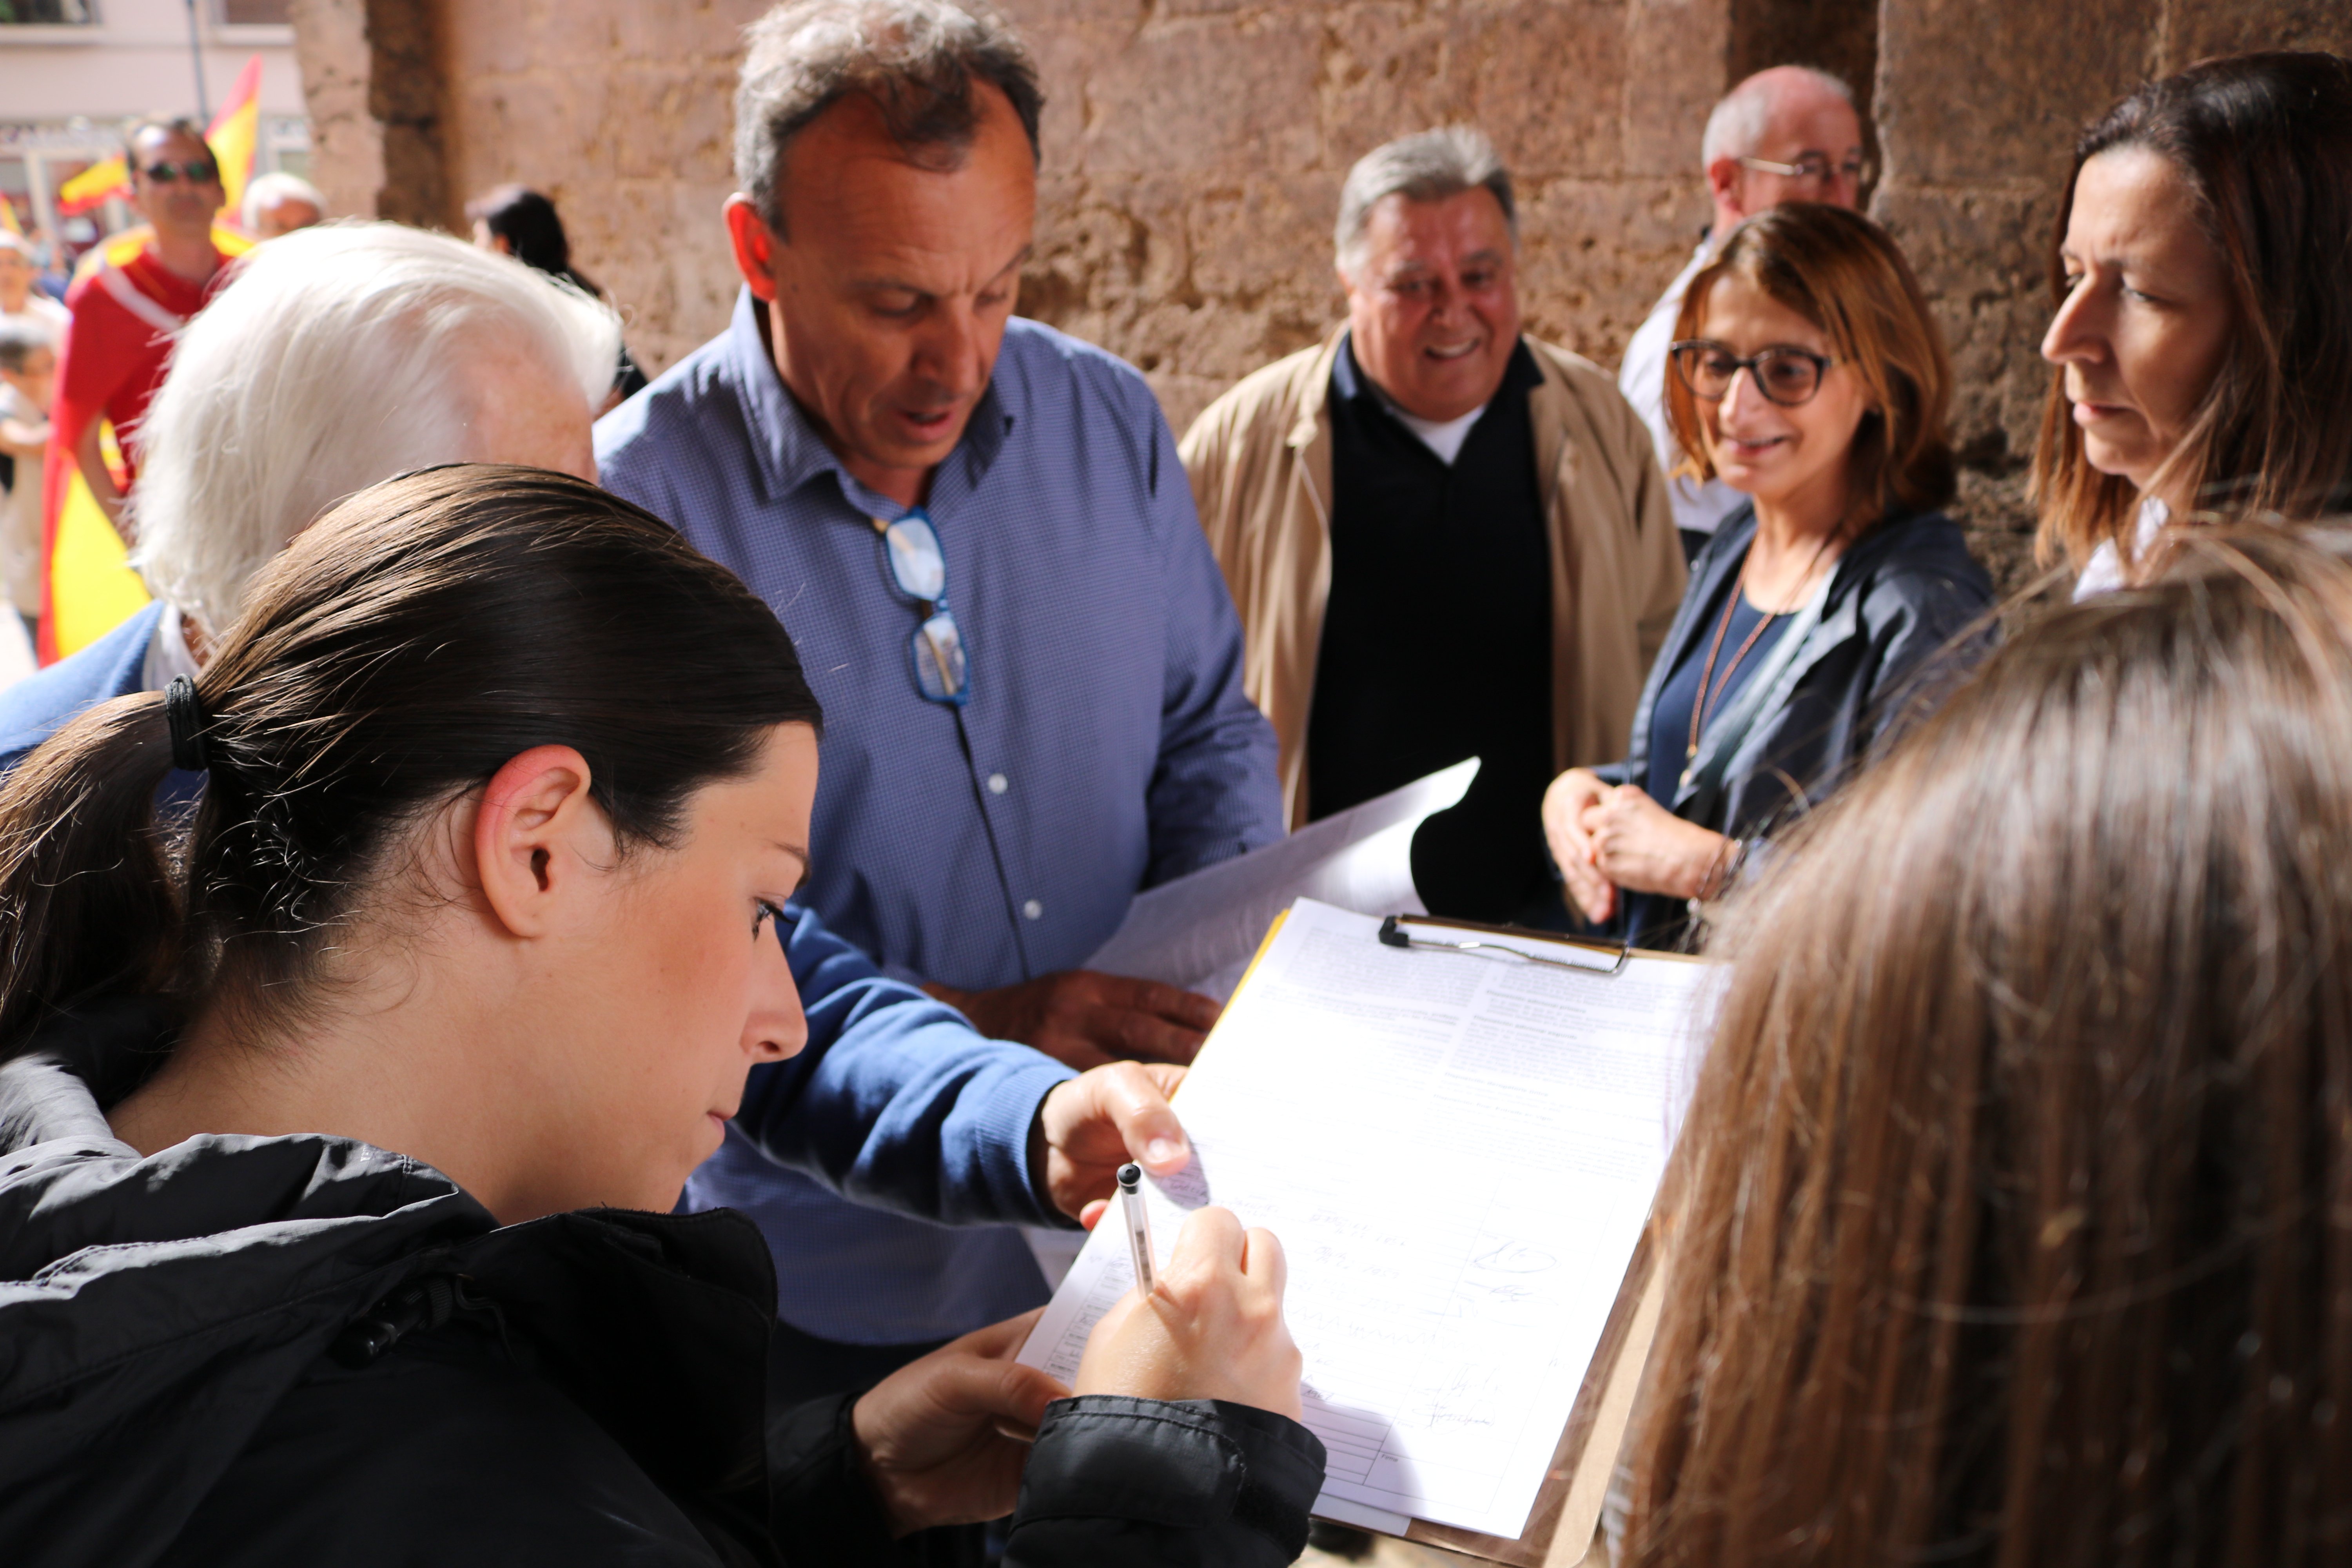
x=891, y=286
x=1433, y=301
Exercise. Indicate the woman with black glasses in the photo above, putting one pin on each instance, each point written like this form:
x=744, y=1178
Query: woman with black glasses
x=1808, y=374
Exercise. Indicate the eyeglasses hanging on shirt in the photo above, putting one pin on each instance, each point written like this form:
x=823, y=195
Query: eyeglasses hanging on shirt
x=911, y=552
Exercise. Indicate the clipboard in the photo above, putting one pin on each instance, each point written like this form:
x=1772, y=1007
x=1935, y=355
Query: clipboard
x=1618, y=1323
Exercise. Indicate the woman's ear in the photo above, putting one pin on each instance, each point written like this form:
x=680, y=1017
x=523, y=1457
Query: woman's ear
x=537, y=833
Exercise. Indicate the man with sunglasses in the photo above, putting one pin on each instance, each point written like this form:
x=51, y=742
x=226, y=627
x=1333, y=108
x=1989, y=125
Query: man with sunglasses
x=1786, y=134
x=124, y=314
x=980, y=536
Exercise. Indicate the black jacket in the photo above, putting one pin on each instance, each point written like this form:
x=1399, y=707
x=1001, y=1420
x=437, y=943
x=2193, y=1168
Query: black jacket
x=250, y=1350
x=1903, y=616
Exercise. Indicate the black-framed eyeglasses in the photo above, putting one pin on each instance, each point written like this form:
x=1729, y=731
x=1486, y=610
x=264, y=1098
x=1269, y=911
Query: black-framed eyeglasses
x=1784, y=373
x=195, y=171
x=1815, y=167
x=911, y=554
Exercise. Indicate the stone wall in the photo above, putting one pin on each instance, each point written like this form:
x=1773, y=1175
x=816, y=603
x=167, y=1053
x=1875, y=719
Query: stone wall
x=1194, y=149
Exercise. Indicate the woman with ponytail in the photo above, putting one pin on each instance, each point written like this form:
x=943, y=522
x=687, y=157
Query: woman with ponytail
x=338, y=1116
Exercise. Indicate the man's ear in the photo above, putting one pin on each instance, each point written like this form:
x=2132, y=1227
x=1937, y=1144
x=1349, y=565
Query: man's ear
x=536, y=834
x=755, y=245
x=1723, y=186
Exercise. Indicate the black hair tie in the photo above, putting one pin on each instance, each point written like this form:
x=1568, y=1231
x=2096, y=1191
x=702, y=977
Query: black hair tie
x=186, y=715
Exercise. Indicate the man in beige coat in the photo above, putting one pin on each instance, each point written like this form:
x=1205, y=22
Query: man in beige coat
x=1446, y=539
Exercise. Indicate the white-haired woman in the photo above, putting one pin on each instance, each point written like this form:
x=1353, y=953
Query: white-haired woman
x=336, y=357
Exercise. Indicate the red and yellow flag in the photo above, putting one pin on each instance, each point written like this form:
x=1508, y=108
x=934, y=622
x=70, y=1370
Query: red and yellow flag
x=93, y=186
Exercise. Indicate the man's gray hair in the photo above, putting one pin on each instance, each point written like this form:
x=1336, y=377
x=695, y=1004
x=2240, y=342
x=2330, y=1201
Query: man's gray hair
x=1427, y=167
x=916, y=59
x=335, y=359
x=277, y=185
x=1736, y=126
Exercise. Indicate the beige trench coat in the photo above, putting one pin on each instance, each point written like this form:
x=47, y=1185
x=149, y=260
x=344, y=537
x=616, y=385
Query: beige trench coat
x=1260, y=461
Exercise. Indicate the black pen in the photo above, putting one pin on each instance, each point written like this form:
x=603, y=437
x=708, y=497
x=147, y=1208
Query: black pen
x=1138, y=1223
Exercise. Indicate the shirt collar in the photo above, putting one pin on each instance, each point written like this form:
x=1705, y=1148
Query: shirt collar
x=790, y=453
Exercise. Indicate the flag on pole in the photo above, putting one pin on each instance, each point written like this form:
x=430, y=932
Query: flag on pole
x=8, y=221
x=236, y=136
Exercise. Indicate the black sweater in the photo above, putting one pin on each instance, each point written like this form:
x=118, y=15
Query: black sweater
x=304, y=1349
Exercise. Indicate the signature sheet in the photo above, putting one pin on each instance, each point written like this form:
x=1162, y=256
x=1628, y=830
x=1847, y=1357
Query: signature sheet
x=1458, y=1155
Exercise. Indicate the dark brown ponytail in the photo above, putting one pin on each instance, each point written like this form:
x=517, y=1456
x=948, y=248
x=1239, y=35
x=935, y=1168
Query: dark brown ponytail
x=399, y=653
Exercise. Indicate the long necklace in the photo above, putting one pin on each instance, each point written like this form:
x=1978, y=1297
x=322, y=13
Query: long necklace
x=1722, y=629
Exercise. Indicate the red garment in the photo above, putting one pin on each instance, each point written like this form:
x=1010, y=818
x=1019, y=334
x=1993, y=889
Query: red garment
x=113, y=356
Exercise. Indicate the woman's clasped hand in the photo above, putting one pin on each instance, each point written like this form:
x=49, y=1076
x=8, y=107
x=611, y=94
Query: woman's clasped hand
x=1605, y=837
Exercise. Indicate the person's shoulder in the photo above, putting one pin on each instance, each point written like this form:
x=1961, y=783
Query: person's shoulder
x=1042, y=355
x=1587, y=386
x=41, y=704
x=1272, y=392
x=673, y=406
x=1922, y=556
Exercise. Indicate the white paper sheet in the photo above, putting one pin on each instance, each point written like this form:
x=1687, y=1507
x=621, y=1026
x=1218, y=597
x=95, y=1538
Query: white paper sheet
x=1458, y=1155
x=1200, y=932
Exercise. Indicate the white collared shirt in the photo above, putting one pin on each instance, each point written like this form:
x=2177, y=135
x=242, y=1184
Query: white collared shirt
x=2106, y=570
x=1699, y=506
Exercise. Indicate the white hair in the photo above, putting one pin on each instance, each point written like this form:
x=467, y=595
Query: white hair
x=269, y=190
x=333, y=359
x=1427, y=166
x=1736, y=126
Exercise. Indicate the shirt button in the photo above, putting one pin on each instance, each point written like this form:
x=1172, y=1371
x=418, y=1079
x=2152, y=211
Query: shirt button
x=1034, y=910
x=997, y=785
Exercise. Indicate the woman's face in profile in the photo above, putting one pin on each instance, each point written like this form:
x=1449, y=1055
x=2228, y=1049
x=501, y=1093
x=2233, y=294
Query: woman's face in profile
x=673, y=988
x=1780, y=453
x=2146, y=321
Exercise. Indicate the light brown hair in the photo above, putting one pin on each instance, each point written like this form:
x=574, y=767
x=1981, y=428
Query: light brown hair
x=2264, y=142
x=2013, y=1221
x=1845, y=275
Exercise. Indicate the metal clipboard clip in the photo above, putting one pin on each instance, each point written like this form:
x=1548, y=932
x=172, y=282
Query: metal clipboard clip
x=1468, y=936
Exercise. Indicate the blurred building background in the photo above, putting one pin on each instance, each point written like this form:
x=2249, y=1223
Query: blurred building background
x=72, y=71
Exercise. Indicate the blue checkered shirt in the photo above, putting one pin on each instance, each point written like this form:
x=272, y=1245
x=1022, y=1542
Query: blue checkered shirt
x=1106, y=746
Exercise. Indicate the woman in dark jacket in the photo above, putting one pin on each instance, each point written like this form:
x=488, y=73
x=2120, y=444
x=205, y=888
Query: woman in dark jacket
x=1808, y=375
x=335, y=1122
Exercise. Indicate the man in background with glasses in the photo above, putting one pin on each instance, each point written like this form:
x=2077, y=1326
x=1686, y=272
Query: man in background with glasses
x=983, y=541
x=1786, y=134
x=124, y=315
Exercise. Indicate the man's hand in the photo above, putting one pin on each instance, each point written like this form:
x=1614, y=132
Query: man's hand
x=942, y=1439
x=1084, y=1019
x=90, y=457
x=1090, y=1126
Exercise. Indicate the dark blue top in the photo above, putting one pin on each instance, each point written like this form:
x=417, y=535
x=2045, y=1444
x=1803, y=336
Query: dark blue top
x=1670, y=720
x=1437, y=637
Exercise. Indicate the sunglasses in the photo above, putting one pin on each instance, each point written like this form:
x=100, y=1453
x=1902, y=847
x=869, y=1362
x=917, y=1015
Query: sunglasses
x=911, y=554
x=195, y=171
x=1785, y=375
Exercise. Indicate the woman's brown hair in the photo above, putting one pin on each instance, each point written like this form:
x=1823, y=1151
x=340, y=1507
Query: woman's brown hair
x=1845, y=275
x=2264, y=142
x=2012, y=1220
x=401, y=651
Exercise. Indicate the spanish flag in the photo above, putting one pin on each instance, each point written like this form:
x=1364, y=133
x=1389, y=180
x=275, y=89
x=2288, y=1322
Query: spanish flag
x=92, y=588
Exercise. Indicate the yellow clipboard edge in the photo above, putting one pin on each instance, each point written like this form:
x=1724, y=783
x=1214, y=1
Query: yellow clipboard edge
x=1255, y=959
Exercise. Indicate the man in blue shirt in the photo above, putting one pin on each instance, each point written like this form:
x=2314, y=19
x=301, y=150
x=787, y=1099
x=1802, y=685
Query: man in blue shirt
x=980, y=536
